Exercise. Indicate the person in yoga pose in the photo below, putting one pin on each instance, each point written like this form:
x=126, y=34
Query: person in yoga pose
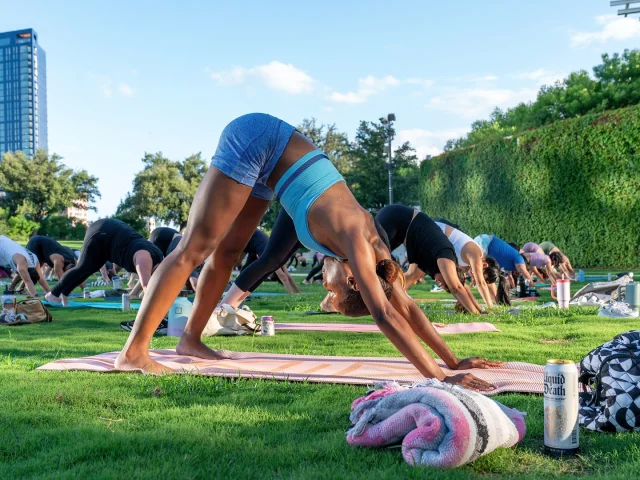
x=280, y=246
x=52, y=254
x=428, y=248
x=298, y=258
x=484, y=273
x=109, y=240
x=161, y=237
x=507, y=257
x=24, y=262
x=256, y=155
x=558, y=259
x=254, y=248
x=315, y=274
x=537, y=261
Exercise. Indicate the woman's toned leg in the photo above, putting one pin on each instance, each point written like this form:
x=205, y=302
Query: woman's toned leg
x=216, y=274
x=217, y=203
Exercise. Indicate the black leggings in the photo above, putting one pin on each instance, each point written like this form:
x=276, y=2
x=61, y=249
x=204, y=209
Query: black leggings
x=283, y=243
x=96, y=251
x=316, y=272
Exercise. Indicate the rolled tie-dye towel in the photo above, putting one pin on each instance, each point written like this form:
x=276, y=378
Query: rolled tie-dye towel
x=437, y=424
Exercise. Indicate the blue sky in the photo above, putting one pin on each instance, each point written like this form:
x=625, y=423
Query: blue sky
x=125, y=78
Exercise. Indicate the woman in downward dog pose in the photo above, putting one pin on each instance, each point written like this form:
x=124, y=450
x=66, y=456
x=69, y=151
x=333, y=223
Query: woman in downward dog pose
x=558, y=259
x=428, y=248
x=256, y=155
x=537, y=261
x=485, y=273
x=507, y=256
x=109, y=240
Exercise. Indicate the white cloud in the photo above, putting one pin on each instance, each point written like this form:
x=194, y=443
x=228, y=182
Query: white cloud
x=428, y=142
x=479, y=102
x=425, y=83
x=275, y=75
x=484, y=78
x=106, y=87
x=370, y=85
x=125, y=89
x=367, y=87
x=613, y=28
x=541, y=76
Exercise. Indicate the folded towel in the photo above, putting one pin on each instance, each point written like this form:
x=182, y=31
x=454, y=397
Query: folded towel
x=437, y=424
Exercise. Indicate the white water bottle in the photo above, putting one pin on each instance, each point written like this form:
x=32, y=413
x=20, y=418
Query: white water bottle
x=179, y=315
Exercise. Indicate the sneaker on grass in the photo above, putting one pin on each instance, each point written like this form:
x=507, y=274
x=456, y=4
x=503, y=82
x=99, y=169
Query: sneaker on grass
x=617, y=310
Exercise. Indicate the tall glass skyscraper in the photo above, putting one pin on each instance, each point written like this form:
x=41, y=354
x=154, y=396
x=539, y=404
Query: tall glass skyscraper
x=23, y=93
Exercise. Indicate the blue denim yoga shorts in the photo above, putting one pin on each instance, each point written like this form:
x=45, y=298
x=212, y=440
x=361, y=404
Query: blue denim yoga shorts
x=249, y=148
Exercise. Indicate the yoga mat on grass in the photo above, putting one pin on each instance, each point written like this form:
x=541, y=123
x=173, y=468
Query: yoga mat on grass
x=101, y=305
x=441, y=328
x=512, y=377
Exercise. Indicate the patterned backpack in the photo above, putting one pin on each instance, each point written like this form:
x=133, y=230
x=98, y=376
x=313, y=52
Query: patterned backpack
x=612, y=371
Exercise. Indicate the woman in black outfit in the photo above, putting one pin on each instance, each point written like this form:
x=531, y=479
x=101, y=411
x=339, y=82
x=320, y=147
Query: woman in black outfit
x=109, y=240
x=427, y=247
x=51, y=253
x=161, y=237
x=282, y=243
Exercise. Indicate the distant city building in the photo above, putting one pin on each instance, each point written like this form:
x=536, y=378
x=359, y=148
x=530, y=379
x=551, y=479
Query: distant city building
x=23, y=93
x=79, y=213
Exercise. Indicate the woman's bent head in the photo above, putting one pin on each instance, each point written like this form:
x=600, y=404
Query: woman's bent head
x=344, y=291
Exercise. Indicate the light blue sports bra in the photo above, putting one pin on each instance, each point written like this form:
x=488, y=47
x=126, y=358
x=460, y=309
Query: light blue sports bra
x=300, y=187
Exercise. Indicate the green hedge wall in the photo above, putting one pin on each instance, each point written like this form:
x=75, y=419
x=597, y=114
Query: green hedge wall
x=574, y=182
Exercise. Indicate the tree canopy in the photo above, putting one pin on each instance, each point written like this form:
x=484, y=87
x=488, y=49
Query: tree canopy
x=615, y=84
x=42, y=186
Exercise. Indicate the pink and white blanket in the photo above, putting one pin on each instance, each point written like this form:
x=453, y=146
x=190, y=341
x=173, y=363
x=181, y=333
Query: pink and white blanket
x=438, y=425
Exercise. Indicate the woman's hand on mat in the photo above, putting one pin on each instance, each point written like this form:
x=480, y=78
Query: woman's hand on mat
x=476, y=362
x=468, y=380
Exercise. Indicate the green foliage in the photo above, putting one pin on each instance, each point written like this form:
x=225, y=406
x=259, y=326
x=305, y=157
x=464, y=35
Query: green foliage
x=62, y=228
x=368, y=177
x=129, y=214
x=20, y=227
x=575, y=182
x=615, y=84
x=95, y=426
x=328, y=139
x=43, y=186
x=164, y=189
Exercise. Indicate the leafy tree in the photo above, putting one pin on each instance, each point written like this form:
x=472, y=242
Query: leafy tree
x=43, y=186
x=615, y=84
x=328, y=139
x=164, y=189
x=62, y=228
x=129, y=213
x=21, y=228
x=369, y=174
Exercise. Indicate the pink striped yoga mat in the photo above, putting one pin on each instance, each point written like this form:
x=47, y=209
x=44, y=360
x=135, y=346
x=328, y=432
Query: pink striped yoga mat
x=512, y=377
x=441, y=328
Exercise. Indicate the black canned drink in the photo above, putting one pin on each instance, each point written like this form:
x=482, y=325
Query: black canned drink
x=561, y=408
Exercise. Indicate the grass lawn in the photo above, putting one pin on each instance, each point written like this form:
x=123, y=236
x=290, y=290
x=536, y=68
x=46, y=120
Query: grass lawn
x=71, y=424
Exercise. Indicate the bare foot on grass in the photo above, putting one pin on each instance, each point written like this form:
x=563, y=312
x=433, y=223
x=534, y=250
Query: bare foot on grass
x=127, y=361
x=193, y=347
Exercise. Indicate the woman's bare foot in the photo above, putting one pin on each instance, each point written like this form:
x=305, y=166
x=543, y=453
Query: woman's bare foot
x=193, y=347
x=140, y=363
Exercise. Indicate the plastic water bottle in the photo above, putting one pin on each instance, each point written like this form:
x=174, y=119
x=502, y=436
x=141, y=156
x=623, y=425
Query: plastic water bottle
x=581, y=275
x=179, y=314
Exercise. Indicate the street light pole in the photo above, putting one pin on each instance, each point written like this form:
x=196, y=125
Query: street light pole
x=388, y=130
x=390, y=167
